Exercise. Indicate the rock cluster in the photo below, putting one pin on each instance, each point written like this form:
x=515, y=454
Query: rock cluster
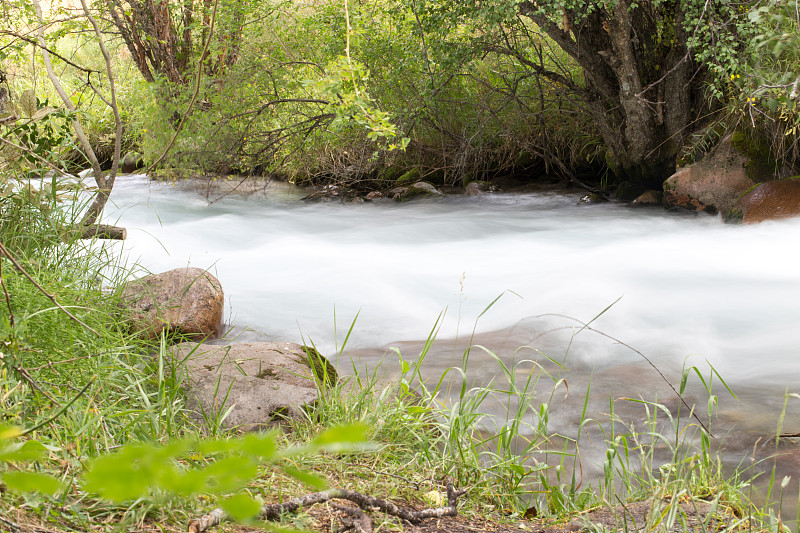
x=245, y=385
x=735, y=181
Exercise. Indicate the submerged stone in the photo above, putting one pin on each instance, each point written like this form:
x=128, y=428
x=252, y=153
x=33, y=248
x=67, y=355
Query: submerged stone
x=477, y=188
x=420, y=189
x=649, y=198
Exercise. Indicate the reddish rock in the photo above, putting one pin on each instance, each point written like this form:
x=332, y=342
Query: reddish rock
x=712, y=184
x=187, y=301
x=771, y=200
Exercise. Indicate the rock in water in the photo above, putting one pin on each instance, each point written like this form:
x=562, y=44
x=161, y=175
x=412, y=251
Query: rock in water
x=477, y=188
x=254, y=384
x=186, y=301
x=649, y=198
x=421, y=189
x=712, y=184
x=770, y=201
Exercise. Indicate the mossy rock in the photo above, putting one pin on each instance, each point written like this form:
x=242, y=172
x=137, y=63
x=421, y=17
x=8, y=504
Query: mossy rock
x=420, y=189
x=734, y=216
x=761, y=165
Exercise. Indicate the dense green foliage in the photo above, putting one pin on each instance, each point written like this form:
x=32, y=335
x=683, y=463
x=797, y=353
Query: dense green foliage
x=328, y=92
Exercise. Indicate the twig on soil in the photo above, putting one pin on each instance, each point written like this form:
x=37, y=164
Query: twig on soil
x=12, y=525
x=273, y=511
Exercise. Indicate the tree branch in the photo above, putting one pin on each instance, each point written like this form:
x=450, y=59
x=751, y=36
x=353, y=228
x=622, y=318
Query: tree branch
x=273, y=511
x=98, y=173
x=50, y=50
x=106, y=184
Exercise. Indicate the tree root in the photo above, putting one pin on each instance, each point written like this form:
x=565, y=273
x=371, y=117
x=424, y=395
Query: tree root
x=356, y=520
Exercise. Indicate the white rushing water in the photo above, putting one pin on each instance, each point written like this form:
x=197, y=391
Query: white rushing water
x=687, y=286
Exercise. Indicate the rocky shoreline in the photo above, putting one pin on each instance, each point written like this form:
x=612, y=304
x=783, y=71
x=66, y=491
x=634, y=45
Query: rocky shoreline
x=730, y=180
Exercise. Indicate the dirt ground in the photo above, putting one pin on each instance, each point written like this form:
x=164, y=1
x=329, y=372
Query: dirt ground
x=700, y=516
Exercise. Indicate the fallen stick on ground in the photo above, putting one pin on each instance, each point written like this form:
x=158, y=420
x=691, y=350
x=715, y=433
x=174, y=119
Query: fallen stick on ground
x=273, y=511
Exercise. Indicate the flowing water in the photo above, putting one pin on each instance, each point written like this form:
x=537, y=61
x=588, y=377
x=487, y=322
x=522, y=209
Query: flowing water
x=682, y=290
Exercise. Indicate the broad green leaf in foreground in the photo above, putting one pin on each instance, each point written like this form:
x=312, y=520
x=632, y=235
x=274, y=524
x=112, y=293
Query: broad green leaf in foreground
x=241, y=506
x=31, y=450
x=31, y=482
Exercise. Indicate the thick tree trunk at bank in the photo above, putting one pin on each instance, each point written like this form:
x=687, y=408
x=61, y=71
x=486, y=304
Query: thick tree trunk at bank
x=640, y=84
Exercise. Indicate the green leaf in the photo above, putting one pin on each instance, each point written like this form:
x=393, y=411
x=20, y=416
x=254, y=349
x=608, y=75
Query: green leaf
x=27, y=451
x=230, y=474
x=241, y=507
x=116, y=480
x=27, y=101
x=31, y=482
x=128, y=474
x=183, y=483
x=340, y=438
x=210, y=447
x=262, y=446
x=9, y=432
x=308, y=478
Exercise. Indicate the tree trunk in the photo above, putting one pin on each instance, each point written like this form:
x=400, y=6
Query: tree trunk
x=639, y=87
x=161, y=35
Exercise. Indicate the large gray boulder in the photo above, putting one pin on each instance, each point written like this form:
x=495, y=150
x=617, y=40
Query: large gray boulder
x=714, y=183
x=186, y=301
x=251, y=385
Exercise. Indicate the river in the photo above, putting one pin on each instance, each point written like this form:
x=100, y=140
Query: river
x=681, y=290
